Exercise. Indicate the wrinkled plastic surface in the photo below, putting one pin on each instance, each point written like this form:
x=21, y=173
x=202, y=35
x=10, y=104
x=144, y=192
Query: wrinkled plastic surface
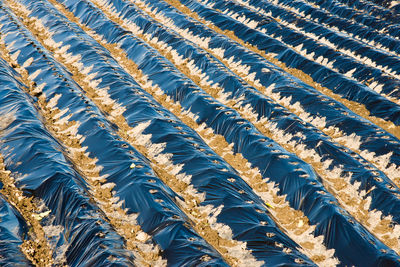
x=373, y=139
x=41, y=170
x=223, y=120
x=338, y=61
x=227, y=122
x=158, y=214
x=378, y=105
x=209, y=173
x=362, y=12
x=12, y=231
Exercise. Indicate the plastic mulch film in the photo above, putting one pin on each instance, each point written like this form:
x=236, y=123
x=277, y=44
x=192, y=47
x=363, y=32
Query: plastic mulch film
x=338, y=83
x=356, y=34
x=163, y=140
x=362, y=12
x=363, y=63
x=71, y=223
x=126, y=172
x=156, y=74
x=216, y=115
x=359, y=30
x=356, y=30
x=372, y=9
x=312, y=106
x=13, y=230
x=384, y=3
x=234, y=210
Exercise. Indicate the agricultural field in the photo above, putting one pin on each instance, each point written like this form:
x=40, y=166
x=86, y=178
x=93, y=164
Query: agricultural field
x=199, y=133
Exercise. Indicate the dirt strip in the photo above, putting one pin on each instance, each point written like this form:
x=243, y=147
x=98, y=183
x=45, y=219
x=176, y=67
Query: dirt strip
x=166, y=171
x=352, y=105
x=37, y=248
x=371, y=83
x=288, y=218
x=336, y=134
x=353, y=201
x=66, y=132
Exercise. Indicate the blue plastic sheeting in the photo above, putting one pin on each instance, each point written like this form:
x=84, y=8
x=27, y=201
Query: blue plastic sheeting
x=312, y=101
x=361, y=12
x=308, y=25
x=384, y=3
x=373, y=139
x=242, y=210
x=335, y=10
x=139, y=188
x=342, y=42
x=372, y=9
x=13, y=229
x=227, y=122
x=221, y=118
x=341, y=63
x=43, y=172
x=378, y=105
x=352, y=28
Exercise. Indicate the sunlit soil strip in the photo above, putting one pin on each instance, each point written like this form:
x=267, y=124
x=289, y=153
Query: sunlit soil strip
x=354, y=106
x=240, y=69
x=292, y=221
x=300, y=49
x=233, y=251
x=357, y=12
x=378, y=45
x=374, y=9
x=355, y=202
x=37, y=248
x=66, y=132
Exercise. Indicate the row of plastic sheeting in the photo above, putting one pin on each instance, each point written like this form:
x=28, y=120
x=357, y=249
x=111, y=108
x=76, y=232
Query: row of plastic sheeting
x=317, y=51
x=13, y=228
x=342, y=24
x=372, y=138
x=241, y=210
x=362, y=12
x=393, y=5
x=226, y=121
x=327, y=29
x=137, y=187
x=372, y=9
x=384, y=3
x=391, y=31
x=378, y=105
x=348, y=42
x=41, y=171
